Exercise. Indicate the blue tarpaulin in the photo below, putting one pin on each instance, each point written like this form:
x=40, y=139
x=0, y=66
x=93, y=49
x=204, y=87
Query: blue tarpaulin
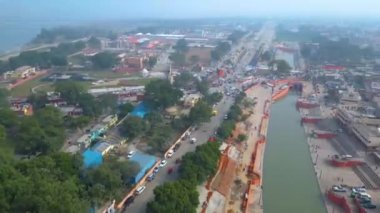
x=140, y=110
x=92, y=158
x=145, y=162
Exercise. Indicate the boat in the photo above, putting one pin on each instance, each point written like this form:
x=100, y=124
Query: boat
x=280, y=94
x=306, y=104
x=310, y=119
x=323, y=134
x=345, y=161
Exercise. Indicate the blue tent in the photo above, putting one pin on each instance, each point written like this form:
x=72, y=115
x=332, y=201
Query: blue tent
x=145, y=162
x=140, y=110
x=92, y=158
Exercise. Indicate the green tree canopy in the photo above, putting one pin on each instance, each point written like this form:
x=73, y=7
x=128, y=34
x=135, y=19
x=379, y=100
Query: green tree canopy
x=178, y=58
x=199, y=165
x=161, y=94
x=94, y=42
x=181, y=46
x=71, y=91
x=177, y=196
x=133, y=126
x=124, y=109
x=200, y=113
x=104, y=60
x=4, y=94
x=185, y=80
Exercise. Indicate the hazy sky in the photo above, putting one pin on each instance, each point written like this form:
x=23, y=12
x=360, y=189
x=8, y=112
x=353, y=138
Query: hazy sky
x=116, y=9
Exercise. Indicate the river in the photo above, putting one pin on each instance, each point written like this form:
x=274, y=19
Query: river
x=290, y=184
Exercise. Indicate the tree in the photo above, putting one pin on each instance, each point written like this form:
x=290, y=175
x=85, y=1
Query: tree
x=214, y=98
x=283, y=66
x=4, y=102
x=199, y=165
x=89, y=105
x=38, y=100
x=108, y=102
x=184, y=80
x=3, y=135
x=71, y=91
x=181, y=46
x=202, y=87
x=177, y=196
x=132, y=127
x=124, y=109
x=94, y=42
x=128, y=170
x=200, y=113
x=235, y=113
x=152, y=61
x=161, y=94
x=242, y=137
x=104, y=60
x=194, y=59
x=31, y=139
x=178, y=58
x=226, y=129
x=266, y=56
x=104, y=182
x=154, y=119
x=77, y=122
x=8, y=118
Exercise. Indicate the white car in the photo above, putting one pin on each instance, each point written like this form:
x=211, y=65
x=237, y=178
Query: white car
x=170, y=153
x=163, y=163
x=193, y=140
x=140, y=190
x=130, y=154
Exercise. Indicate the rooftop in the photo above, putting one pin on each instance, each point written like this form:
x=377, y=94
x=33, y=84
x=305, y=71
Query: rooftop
x=101, y=147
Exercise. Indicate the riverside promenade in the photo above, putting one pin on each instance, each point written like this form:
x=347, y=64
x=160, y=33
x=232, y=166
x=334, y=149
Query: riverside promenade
x=321, y=150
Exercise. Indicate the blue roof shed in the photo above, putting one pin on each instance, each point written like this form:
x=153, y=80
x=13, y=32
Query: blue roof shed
x=92, y=158
x=145, y=162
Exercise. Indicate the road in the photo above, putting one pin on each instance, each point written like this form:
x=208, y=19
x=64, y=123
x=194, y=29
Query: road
x=202, y=134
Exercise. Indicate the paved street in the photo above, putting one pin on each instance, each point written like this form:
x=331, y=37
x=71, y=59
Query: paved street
x=202, y=134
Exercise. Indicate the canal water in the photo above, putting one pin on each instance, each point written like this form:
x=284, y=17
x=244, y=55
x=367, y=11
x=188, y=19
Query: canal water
x=289, y=182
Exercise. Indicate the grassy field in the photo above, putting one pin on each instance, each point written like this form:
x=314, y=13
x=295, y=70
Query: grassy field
x=25, y=89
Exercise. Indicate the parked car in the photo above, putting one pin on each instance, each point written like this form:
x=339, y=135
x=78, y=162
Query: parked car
x=151, y=177
x=129, y=201
x=176, y=147
x=140, y=190
x=338, y=189
x=130, y=154
x=364, y=200
x=369, y=206
x=156, y=169
x=170, y=153
x=193, y=140
x=163, y=163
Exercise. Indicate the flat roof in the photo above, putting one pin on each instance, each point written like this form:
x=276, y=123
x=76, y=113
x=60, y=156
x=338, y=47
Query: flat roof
x=101, y=147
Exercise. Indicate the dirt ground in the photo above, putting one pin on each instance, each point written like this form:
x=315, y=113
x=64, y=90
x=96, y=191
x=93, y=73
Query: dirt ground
x=204, y=54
